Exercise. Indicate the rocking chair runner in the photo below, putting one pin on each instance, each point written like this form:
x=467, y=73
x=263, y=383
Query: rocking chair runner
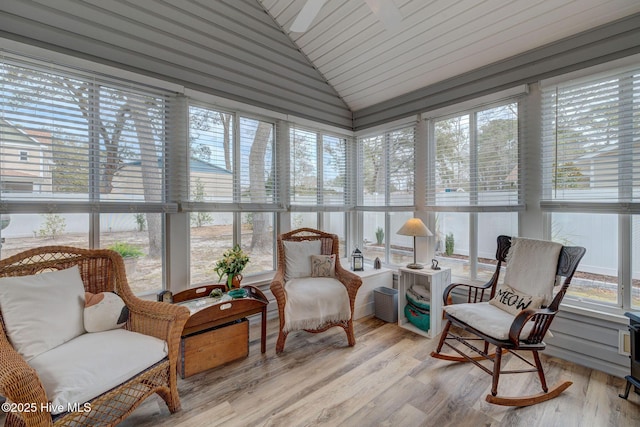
x=522, y=331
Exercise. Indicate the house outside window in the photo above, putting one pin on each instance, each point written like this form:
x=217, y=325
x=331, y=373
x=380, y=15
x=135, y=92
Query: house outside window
x=102, y=167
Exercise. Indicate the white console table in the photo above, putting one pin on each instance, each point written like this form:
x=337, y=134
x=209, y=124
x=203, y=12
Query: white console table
x=434, y=280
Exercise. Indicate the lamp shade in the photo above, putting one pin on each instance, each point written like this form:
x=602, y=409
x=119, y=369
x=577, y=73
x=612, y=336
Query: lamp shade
x=415, y=227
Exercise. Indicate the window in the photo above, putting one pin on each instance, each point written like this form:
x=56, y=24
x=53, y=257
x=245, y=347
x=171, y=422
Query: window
x=97, y=158
x=387, y=165
x=473, y=185
x=320, y=191
x=233, y=192
x=591, y=163
x=386, y=194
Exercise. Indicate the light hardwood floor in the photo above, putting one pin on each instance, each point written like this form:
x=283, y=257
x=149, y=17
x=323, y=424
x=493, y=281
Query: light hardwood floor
x=387, y=379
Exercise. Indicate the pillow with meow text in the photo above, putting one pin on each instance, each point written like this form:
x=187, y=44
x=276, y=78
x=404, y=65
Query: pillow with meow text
x=513, y=301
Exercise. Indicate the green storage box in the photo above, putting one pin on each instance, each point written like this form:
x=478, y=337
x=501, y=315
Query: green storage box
x=418, y=317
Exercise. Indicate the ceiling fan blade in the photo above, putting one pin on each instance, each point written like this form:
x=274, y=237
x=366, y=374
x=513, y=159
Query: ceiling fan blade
x=387, y=12
x=307, y=14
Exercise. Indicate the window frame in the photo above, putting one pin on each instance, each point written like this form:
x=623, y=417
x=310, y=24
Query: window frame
x=387, y=207
x=236, y=207
x=91, y=203
x=625, y=208
x=473, y=209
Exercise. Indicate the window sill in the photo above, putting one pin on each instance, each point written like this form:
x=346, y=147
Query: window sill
x=615, y=315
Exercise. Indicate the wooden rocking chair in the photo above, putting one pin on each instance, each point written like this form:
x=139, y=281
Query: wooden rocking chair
x=520, y=330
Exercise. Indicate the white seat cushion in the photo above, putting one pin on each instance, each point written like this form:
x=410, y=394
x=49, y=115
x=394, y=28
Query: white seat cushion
x=314, y=301
x=487, y=318
x=93, y=363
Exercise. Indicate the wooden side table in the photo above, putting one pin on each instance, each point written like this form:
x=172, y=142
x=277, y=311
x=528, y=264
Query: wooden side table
x=217, y=331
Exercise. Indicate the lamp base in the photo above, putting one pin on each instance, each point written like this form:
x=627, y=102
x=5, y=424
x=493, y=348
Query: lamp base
x=415, y=266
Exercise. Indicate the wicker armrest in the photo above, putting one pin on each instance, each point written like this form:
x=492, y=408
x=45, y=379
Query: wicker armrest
x=157, y=319
x=542, y=318
x=19, y=383
x=474, y=293
x=277, y=286
x=351, y=280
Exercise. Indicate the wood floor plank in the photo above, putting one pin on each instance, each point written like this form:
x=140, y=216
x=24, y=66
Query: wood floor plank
x=387, y=409
x=336, y=401
x=387, y=379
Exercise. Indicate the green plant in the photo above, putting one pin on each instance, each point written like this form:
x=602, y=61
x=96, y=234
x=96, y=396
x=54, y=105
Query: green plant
x=448, y=244
x=379, y=235
x=53, y=226
x=232, y=263
x=141, y=221
x=198, y=194
x=126, y=250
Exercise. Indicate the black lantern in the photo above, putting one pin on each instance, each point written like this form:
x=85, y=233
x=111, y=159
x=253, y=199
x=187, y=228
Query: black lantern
x=357, y=260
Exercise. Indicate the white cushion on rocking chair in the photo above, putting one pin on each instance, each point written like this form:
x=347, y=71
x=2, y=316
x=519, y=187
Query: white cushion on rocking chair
x=487, y=319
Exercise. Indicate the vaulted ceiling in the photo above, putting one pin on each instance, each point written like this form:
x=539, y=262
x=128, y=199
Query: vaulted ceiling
x=368, y=64
x=347, y=69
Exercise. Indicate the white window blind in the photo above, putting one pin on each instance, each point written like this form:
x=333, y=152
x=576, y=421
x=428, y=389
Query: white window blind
x=591, y=147
x=211, y=155
x=318, y=170
x=258, y=172
x=387, y=165
x=94, y=143
x=231, y=161
x=474, y=160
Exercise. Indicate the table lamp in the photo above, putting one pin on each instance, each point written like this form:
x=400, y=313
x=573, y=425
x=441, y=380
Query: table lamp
x=416, y=228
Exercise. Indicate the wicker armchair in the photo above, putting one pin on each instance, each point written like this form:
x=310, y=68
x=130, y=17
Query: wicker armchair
x=101, y=270
x=329, y=245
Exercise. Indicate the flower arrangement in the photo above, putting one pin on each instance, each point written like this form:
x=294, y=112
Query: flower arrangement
x=231, y=264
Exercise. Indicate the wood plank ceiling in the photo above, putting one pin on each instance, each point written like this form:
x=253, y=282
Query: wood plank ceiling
x=438, y=39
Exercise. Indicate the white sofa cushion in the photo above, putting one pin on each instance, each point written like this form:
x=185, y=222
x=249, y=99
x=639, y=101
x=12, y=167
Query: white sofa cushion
x=93, y=363
x=314, y=301
x=42, y=311
x=487, y=318
x=297, y=257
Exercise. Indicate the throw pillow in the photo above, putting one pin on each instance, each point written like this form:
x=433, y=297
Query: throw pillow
x=323, y=265
x=296, y=256
x=104, y=311
x=513, y=301
x=42, y=311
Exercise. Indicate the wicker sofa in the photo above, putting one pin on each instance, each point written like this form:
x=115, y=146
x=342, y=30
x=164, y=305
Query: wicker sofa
x=100, y=270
